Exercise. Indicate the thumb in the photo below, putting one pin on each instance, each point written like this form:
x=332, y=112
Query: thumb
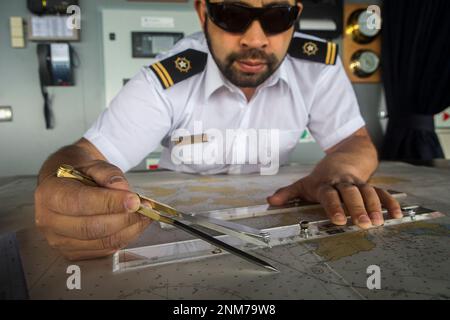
x=106, y=175
x=284, y=195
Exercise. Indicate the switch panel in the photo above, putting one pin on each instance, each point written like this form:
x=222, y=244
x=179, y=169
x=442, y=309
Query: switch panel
x=17, y=33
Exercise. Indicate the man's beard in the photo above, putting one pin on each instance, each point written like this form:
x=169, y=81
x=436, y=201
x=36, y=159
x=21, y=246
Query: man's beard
x=239, y=78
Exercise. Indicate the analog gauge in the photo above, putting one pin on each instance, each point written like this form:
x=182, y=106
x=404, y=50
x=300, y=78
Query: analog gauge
x=361, y=28
x=364, y=63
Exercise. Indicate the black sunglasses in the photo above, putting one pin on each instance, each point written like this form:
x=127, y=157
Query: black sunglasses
x=236, y=17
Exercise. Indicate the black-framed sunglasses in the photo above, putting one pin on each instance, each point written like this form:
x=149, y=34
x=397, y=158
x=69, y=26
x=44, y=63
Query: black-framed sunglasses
x=236, y=17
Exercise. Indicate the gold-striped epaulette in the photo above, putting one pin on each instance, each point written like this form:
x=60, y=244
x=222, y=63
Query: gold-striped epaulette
x=313, y=50
x=179, y=67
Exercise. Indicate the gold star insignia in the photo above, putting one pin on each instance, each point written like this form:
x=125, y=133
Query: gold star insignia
x=310, y=48
x=183, y=64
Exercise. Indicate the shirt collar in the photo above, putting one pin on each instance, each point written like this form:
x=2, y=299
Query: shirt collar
x=214, y=79
x=279, y=75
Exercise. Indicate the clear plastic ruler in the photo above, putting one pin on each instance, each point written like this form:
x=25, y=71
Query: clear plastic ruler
x=302, y=230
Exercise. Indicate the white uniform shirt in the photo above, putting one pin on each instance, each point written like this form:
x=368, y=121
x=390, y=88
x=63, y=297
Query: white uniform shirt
x=300, y=94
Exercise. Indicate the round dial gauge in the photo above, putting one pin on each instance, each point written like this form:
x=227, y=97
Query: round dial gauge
x=365, y=26
x=364, y=63
x=361, y=27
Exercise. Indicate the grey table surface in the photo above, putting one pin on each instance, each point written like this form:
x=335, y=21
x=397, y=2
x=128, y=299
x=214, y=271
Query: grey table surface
x=413, y=258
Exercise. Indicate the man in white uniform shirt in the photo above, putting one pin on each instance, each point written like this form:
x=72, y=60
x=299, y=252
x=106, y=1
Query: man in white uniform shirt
x=247, y=71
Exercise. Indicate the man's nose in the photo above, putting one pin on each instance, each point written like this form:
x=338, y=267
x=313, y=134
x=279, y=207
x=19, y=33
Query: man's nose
x=254, y=37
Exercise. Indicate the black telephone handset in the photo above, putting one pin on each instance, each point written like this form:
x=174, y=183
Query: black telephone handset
x=46, y=79
x=45, y=71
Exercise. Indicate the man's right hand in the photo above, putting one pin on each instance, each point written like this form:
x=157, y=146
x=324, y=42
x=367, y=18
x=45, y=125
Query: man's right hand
x=85, y=222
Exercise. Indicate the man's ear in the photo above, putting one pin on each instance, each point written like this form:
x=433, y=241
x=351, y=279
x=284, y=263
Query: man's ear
x=300, y=6
x=200, y=7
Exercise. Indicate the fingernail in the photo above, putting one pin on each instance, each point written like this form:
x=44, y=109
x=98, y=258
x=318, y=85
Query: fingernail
x=398, y=213
x=116, y=179
x=339, y=217
x=363, y=219
x=132, y=203
x=377, y=218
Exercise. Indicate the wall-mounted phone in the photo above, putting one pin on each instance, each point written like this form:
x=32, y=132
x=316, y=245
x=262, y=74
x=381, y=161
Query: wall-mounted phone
x=55, y=64
x=55, y=69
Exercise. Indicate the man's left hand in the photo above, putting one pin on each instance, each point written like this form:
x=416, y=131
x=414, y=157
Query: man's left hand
x=362, y=201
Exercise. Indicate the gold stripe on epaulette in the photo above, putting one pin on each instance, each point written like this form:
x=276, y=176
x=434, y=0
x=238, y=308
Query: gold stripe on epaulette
x=333, y=54
x=329, y=45
x=166, y=74
x=160, y=75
